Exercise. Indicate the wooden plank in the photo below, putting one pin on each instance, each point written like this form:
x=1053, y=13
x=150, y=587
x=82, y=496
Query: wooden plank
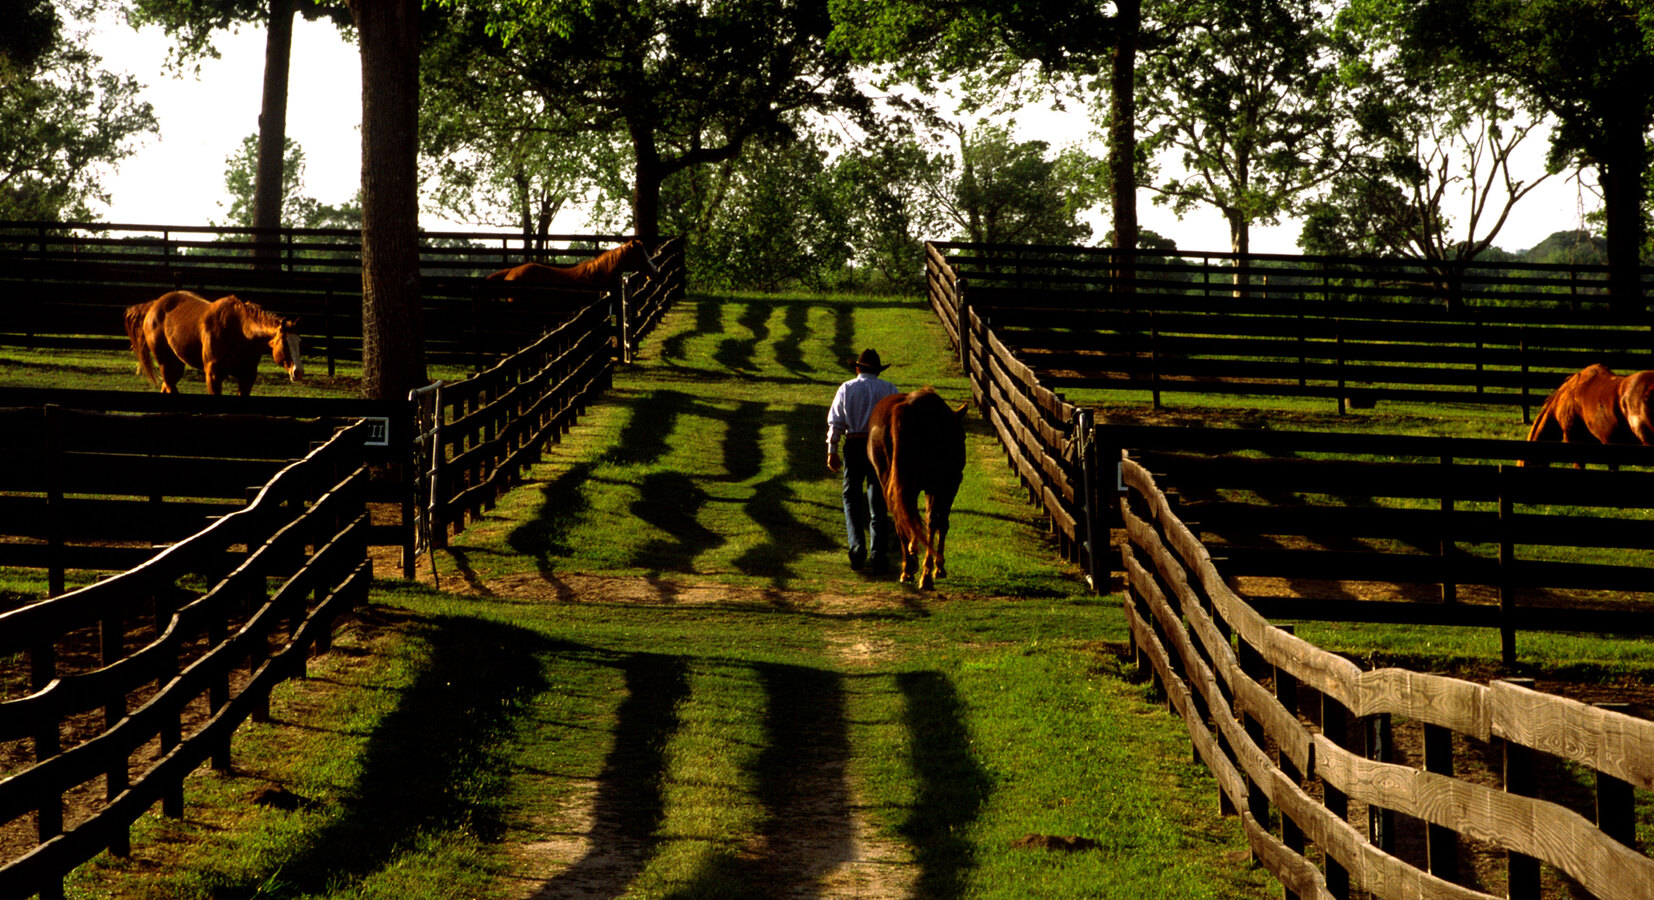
x=1607, y=741
x=1545, y=831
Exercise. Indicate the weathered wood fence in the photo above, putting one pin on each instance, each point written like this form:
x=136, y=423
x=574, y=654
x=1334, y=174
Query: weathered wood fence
x=133, y=682
x=1304, y=746
x=1349, y=330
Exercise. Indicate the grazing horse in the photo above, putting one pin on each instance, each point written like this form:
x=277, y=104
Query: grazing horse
x=602, y=271
x=916, y=442
x=225, y=337
x=1595, y=405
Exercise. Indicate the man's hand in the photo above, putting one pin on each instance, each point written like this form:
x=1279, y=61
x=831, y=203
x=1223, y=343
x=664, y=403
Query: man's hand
x=832, y=461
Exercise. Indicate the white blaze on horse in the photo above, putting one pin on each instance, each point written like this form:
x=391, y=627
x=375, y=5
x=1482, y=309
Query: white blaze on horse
x=224, y=338
x=916, y=443
x=601, y=272
x=1596, y=406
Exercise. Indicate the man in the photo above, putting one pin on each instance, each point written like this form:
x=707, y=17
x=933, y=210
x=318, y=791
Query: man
x=865, y=520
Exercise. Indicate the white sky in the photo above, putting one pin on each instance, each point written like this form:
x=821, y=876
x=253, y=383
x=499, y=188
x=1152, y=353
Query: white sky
x=178, y=178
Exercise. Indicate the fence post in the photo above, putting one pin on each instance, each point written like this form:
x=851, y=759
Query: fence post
x=1335, y=726
x=1092, y=543
x=1286, y=691
x=1522, y=354
x=1507, y=564
x=1616, y=803
x=1154, y=358
x=54, y=499
x=964, y=328
x=1523, y=871
x=1381, y=822
x=1338, y=365
x=112, y=641
x=1448, y=551
x=1441, y=843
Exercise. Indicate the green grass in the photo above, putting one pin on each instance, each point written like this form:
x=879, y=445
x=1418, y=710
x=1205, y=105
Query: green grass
x=685, y=653
x=111, y=370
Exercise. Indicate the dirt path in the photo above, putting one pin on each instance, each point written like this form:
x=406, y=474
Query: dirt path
x=815, y=842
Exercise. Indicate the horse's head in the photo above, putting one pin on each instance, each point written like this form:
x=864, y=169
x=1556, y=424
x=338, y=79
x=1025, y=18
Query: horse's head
x=284, y=349
x=638, y=255
x=1635, y=405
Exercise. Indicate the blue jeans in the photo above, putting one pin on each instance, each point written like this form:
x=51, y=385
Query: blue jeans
x=866, y=523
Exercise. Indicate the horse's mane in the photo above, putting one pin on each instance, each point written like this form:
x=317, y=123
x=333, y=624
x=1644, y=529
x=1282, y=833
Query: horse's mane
x=607, y=261
x=256, y=314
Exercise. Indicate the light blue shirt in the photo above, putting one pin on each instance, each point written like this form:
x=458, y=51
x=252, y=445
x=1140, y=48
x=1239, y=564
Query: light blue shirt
x=853, y=405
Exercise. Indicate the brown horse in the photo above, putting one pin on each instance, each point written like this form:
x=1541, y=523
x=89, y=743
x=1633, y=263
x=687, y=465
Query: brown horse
x=223, y=338
x=601, y=272
x=1597, y=406
x=917, y=443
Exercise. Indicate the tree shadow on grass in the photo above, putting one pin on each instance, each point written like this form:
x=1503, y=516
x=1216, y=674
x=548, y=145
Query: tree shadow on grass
x=437, y=763
x=671, y=501
x=952, y=785
x=788, y=537
x=801, y=780
x=630, y=805
x=709, y=319
x=737, y=354
x=563, y=505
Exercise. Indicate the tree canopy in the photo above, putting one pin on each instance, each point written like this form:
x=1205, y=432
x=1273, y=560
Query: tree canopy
x=680, y=83
x=63, y=119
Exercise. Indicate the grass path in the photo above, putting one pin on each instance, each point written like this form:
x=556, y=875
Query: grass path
x=650, y=673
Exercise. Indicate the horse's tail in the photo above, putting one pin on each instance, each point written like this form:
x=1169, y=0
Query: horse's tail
x=140, y=347
x=902, y=505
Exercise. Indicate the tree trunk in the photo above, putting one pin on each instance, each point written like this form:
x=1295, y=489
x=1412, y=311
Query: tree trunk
x=1122, y=141
x=272, y=134
x=393, y=339
x=648, y=173
x=1621, y=175
x=1240, y=243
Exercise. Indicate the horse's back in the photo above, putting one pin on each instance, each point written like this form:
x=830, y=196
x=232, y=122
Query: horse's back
x=925, y=431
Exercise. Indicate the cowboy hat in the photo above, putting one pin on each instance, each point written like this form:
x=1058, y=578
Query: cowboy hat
x=868, y=361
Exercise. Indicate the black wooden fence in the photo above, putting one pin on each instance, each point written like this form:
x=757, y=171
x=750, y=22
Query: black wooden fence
x=1418, y=530
x=478, y=436
x=220, y=617
x=1419, y=511
x=98, y=491
x=1349, y=330
x=68, y=285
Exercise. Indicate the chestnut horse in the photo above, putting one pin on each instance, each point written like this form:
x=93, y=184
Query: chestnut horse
x=916, y=442
x=1595, y=405
x=602, y=271
x=223, y=338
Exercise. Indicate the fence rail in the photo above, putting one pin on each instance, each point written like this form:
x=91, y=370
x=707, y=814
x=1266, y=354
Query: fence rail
x=483, y=432
x=71, y=284
x=143, y=649
x=1330, y=767
x=1334, y=782
x=1350, y=330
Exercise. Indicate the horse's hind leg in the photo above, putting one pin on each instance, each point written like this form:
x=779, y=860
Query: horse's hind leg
x=172, y=369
